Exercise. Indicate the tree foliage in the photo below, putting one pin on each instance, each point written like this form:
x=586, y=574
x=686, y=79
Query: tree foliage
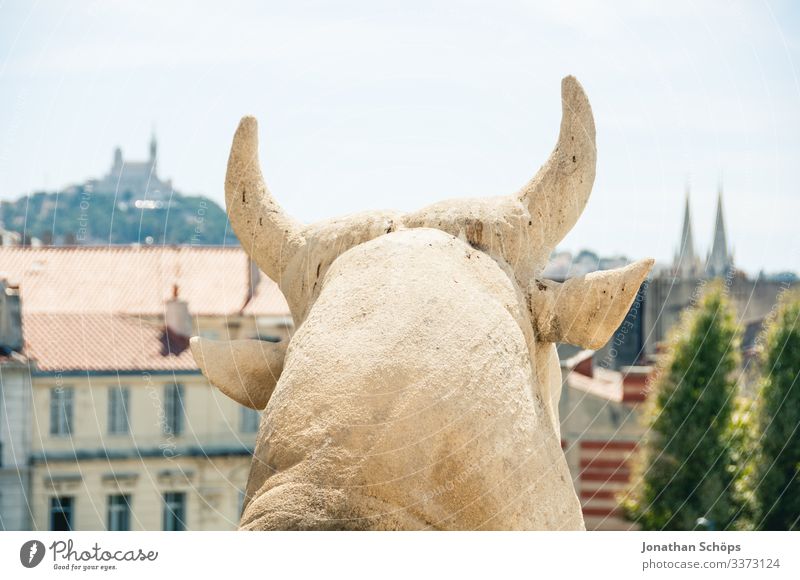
x=684, y=470
x=776, y=478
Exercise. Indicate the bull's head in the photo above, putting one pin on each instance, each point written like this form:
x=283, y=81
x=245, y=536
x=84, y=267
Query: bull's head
x=406, y=324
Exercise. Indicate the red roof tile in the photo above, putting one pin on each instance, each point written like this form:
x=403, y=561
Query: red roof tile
x=215, y=281
x=267, y=300
x=63, y=342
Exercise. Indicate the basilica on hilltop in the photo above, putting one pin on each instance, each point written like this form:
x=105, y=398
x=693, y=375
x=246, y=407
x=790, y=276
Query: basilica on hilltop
x=136, y=178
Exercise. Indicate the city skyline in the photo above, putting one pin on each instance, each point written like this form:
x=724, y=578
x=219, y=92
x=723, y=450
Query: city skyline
x=443, y=104
x=143, y=176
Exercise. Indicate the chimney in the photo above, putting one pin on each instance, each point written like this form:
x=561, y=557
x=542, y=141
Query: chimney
x=254, y=277
x=179, y=321
x=10, y=319
x=586, y=366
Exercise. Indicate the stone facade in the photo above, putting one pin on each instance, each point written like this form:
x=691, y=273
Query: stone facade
x=206, y=460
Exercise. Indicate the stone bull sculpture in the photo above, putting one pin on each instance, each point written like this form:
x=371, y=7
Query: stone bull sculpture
x=420, y=388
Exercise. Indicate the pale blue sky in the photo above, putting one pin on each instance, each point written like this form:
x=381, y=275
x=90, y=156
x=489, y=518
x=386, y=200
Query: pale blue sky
x=371, y=105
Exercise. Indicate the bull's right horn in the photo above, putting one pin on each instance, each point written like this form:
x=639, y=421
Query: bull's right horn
x=268, y=235
x=585, y=311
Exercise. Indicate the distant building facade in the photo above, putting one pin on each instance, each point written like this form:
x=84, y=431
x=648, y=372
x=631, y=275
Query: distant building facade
x=601, y=427
x=15, y=412
x=112, y=425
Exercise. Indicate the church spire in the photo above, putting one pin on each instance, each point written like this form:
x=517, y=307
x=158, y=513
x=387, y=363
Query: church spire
x=719, y=258
x=153, y=146
x=153, y=151
x=686, y=264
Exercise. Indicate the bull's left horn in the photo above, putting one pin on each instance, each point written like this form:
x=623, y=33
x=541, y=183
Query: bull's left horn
x=268, y=235
x=585, y=311
x=556, y=196
x=245, y=370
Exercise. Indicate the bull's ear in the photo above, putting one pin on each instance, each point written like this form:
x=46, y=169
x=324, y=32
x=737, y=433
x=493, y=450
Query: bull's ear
x=245, y=370
x=585, y=311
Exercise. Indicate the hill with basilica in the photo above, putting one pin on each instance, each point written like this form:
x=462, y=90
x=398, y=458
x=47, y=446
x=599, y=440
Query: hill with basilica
x=130, y=204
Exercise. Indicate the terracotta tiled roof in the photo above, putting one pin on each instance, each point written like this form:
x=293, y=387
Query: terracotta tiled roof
x=63, y=342
x=267, y=300
x=215, y=281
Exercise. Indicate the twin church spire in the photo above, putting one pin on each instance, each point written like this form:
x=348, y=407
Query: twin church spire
x=719, y=262
x=686, y=264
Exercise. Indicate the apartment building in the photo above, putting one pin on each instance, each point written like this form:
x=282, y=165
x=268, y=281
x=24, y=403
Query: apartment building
x=120, y=429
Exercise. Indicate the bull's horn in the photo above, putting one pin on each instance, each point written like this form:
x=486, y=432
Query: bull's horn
x=245, y=370
x=585, y=311
x=268, y=235
x=556, y=196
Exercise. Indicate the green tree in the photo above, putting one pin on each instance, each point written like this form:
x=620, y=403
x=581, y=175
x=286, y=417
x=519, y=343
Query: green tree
x=744, y=448
x=777, y=466
x=683, y=473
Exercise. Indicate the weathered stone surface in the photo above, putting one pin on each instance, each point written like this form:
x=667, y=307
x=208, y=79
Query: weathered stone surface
x=420, y=388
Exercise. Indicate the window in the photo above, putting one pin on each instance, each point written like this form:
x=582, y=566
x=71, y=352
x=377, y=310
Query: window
x=61, y=513
x=174, y=511
x=119, y=513
x=248, y=420
x=61, y=411
x=173, y=409
x=118, y=410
